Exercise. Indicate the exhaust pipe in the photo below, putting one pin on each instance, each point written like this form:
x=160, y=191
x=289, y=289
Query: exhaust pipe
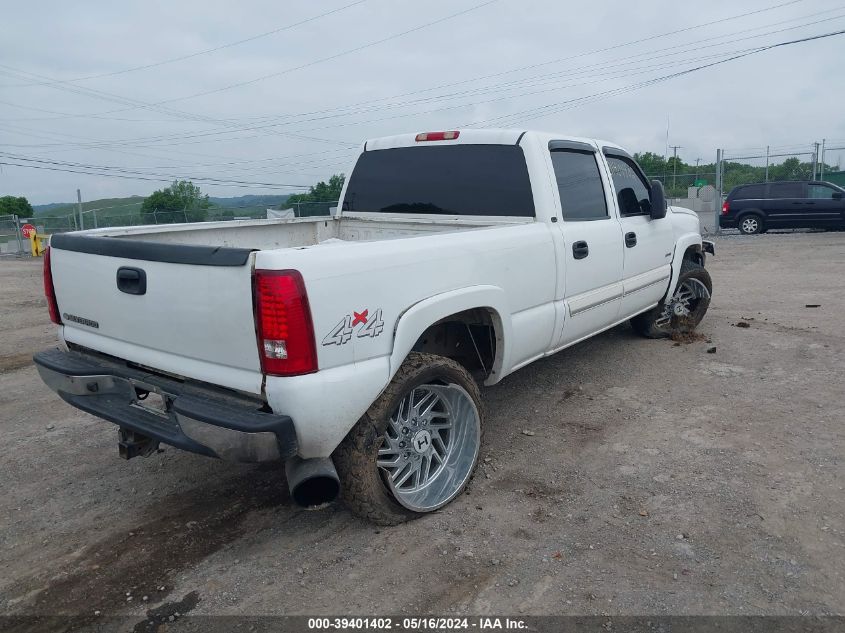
x=312, y=482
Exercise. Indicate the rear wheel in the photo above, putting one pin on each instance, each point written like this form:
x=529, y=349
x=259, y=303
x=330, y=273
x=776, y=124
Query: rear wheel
x=683, y=311
x=417, y=446
x=751, y=224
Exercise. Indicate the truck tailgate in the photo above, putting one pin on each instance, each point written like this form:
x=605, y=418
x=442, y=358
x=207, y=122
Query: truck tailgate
x=186, y=310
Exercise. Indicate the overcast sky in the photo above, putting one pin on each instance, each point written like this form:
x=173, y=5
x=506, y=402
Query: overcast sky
x=291, y=107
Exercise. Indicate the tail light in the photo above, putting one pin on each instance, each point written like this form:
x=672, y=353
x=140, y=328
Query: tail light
x=49, y=290
x=283, y=322
x=438, y=136
x=726, y=206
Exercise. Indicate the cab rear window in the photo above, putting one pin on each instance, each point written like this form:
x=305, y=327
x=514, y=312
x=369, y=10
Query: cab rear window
x=446, y=180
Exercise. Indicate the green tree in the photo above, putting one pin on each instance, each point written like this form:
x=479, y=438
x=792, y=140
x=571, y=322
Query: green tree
x=652, y=164
x=10, y=205
x=791, y=169
x=180, y=202
x=321, y=192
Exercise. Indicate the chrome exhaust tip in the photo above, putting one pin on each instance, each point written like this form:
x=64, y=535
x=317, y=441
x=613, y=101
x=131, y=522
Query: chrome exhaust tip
x=312, y=482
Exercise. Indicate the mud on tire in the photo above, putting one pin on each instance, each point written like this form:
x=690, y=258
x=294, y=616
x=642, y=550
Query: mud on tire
x=364, y=485
x=647, y=323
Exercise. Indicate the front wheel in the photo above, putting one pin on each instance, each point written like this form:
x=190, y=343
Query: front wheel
x=683, y=311
x=417, y=446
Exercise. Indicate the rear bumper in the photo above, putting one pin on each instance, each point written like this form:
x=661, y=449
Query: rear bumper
x=194, y=417
x=726, y=222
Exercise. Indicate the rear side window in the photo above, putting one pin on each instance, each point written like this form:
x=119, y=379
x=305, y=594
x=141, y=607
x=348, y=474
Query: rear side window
x=751, y=192
x=786, y=190
x=579, y=184
x=446, y=180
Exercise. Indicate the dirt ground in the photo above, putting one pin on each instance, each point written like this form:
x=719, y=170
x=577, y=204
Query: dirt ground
x=660, y=479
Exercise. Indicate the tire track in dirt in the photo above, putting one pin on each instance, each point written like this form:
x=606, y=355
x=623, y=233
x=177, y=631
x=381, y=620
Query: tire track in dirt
x=13, y=362
x=183, y=529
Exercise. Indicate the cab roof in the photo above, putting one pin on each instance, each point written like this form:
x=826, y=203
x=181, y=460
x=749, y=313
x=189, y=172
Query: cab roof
x=473, y=136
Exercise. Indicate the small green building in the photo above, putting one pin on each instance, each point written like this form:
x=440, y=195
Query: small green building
x=836, y=177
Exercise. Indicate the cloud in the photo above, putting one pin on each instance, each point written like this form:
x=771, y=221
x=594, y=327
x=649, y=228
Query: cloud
x=781, y=97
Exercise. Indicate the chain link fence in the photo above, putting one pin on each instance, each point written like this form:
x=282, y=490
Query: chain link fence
x=11, y=241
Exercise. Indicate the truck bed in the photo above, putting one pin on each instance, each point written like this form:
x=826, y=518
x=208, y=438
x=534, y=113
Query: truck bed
x=299, y=232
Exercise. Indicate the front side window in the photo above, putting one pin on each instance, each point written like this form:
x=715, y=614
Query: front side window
x=631, y=192
x=445, y=180
x=820, y=192
x=579, y=184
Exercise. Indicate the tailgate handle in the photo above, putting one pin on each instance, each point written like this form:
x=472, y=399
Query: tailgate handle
x=132, y=281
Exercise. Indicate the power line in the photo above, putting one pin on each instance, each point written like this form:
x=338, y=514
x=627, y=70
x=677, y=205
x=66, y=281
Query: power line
x=543, y=79
x=54, y=83
x=197, y=53
x=167, y=179
x=102, y=170
x=532, y=113
x=157, y=107
x=532, y=66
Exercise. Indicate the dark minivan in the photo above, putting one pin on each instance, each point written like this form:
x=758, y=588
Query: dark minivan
x=788, y=205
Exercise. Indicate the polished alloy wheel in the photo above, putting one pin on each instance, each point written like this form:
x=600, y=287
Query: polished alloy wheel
x=683, y=303
x=430, y=446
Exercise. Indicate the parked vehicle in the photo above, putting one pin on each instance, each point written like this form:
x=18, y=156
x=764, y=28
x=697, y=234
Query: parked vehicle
x=795, y=204
x=351, y=347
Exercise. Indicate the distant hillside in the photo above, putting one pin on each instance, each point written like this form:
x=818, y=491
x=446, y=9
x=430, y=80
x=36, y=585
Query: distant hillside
x=109, y=206
x=112, y=207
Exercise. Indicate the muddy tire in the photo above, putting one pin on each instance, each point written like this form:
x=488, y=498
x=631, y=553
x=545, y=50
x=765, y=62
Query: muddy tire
x=692, y=292
x=432, y=408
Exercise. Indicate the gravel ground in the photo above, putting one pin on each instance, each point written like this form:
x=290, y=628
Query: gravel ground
x=659, y=479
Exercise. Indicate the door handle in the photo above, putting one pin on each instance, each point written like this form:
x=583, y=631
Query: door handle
x=630, y=239
x=580, y=249
x=132, y=281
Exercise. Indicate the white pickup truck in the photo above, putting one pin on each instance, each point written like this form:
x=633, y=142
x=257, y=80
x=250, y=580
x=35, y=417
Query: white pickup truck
x=351, y=347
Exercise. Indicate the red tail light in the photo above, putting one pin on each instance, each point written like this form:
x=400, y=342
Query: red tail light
x=49, y=291
x=726, y=206
x=438, y=136
x=283, y=322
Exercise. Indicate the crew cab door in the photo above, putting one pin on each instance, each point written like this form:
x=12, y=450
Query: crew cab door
x=592, y=241
x=648, y=244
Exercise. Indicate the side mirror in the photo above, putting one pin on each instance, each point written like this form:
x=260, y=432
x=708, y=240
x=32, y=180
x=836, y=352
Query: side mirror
x=658, y=200
x=837, y=195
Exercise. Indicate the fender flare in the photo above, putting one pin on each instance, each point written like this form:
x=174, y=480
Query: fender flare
x=419, y=317
x=681, y=245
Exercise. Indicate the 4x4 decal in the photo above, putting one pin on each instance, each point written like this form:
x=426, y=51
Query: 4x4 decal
x=366, y=325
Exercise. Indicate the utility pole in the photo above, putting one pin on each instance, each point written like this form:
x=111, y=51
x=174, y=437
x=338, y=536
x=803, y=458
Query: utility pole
x=697, y=160
x=675, y=149
x=767, y=163
x=821, y=167
x=79, y=206
x=717, y=199
x=815, y=159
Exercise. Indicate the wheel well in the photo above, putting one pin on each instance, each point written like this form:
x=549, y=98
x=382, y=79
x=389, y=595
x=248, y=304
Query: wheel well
x=755, y=212
x=470, y=338
x=694, y=254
